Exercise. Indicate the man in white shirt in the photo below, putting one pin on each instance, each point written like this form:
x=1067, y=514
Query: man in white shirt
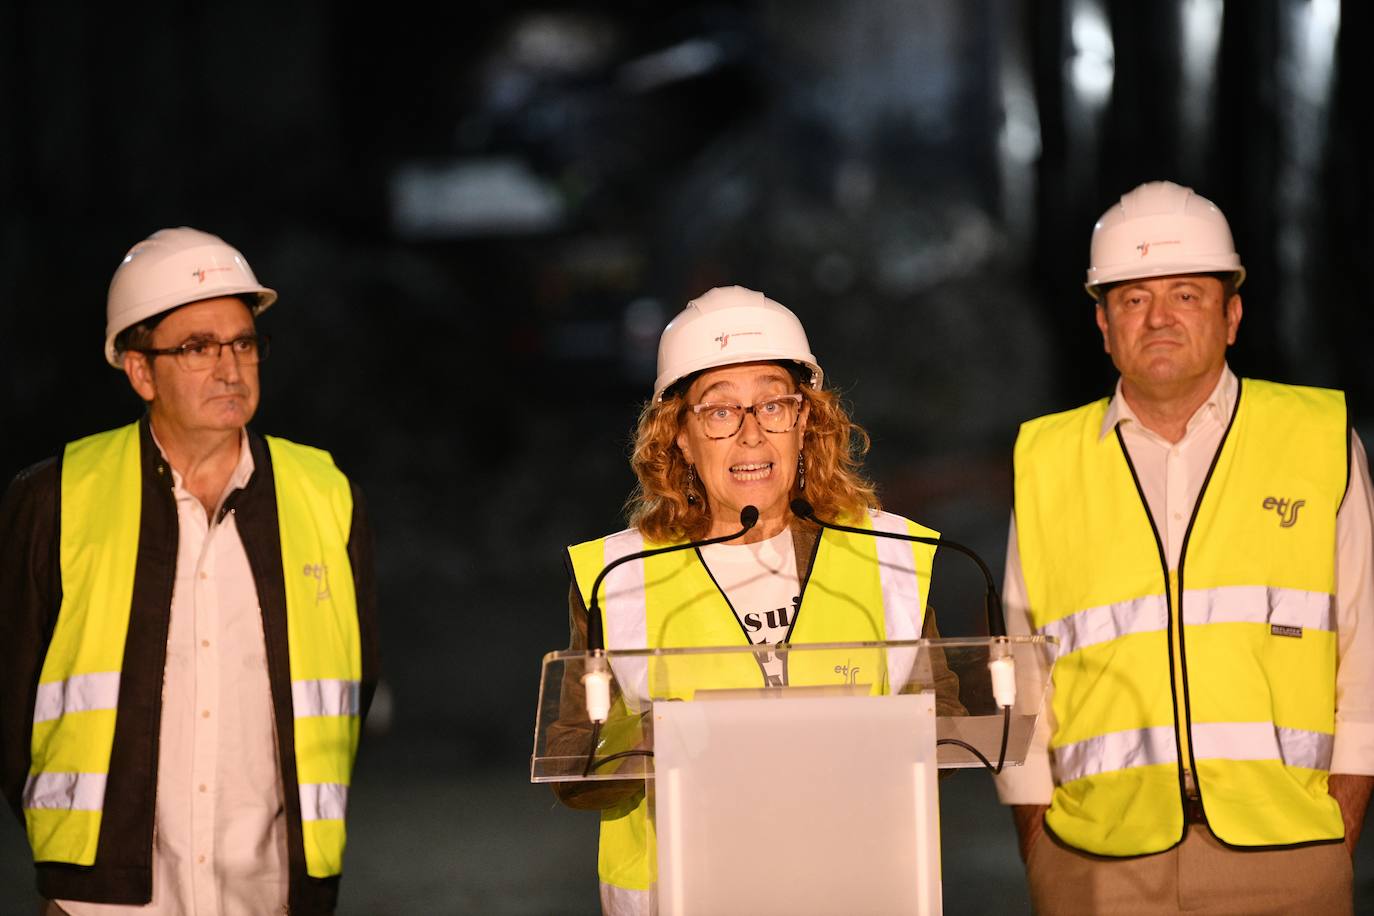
x=188, y=640
x=1203, y=550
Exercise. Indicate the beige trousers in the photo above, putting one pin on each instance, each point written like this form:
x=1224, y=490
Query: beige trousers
x=1200, y=875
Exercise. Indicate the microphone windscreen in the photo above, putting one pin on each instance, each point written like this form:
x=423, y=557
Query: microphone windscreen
x=748, y=517
x=801, y=508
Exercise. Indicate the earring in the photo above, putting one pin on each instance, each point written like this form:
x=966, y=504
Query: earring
x=801, y=472
x=691, y=487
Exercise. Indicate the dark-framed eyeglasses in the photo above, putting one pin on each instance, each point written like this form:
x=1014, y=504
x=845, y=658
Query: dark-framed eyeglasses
x=775, y=415
x=200, y=353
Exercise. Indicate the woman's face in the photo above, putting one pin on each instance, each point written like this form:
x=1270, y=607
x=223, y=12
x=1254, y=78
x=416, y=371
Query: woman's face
x=752, y=467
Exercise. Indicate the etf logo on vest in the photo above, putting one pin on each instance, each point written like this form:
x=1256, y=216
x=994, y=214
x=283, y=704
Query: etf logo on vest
x=320, y=573
x=1288, y=513
x=847, y=674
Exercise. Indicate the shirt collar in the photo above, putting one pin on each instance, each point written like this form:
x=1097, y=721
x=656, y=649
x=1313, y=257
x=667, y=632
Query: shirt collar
x=1219, y=404
x=243, y=471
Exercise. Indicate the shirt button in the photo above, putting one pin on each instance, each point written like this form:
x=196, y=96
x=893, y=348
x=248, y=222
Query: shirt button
x=204, y=575
x=205, y=643
x=203, y=788
x=200, y=859
x=1178, y=516
x=205, y=713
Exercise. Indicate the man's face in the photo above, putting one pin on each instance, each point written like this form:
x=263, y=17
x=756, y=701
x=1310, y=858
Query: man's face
x=220, y=398
x=1166, y=332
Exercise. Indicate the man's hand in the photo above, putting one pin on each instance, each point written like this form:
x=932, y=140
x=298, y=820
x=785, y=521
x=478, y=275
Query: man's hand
x=1351, y=792
x=1030, y=823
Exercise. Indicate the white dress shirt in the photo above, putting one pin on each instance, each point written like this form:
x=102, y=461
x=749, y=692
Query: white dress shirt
x=1171, y=476
x=219, y=845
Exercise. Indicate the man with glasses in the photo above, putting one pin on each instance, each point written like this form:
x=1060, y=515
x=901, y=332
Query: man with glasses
x=188, y=640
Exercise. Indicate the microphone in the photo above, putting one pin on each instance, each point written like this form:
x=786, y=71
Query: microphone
x=1003, y=675
x=597, y=680
x=997, y=625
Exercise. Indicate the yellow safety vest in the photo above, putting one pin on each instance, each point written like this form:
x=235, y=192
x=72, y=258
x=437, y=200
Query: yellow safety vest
x=860, y=588
x=78, y=689
x=1243, y=693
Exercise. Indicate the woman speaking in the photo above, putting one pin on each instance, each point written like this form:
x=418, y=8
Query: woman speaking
x=739, y=419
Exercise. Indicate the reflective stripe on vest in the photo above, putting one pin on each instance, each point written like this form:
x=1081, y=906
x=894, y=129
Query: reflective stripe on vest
x=860, y=588
x=625, y=624
x=78, y=686
x=314, y=516
x=78, y=693
x=66, y=791
x=622, y=901
x=1257, y=633
x=77, y=698
x=1228, y=604
x=1211, y=741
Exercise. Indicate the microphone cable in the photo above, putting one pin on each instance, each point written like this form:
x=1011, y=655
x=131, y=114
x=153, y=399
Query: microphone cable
x=597, y=680
x=997, y=627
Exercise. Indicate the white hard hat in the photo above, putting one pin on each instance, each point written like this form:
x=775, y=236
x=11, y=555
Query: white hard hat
x=1158, y=230
x=172, y=267
x=726, y=326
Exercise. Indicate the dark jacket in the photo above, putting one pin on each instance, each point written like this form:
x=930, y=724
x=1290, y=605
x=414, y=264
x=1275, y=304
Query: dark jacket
x=30, y=597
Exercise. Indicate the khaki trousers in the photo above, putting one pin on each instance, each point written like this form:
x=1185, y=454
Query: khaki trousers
x=1200, y=875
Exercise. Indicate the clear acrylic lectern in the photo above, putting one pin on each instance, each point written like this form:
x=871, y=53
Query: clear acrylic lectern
x=834, y=772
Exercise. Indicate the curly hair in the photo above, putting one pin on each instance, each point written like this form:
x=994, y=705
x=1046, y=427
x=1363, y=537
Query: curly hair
x=833, y=447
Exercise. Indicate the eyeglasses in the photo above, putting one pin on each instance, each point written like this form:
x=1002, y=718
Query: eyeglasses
x=199, y=354
x=775, y=415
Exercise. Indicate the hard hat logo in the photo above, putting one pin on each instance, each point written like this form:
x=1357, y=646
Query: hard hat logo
x=724, y=339
x=1144, y=247
x=200, y=272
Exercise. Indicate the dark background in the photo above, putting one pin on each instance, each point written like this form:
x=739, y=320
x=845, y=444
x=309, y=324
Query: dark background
x=480, y=215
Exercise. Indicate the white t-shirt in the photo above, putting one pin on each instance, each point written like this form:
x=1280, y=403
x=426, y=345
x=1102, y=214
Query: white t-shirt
x=760, y=581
